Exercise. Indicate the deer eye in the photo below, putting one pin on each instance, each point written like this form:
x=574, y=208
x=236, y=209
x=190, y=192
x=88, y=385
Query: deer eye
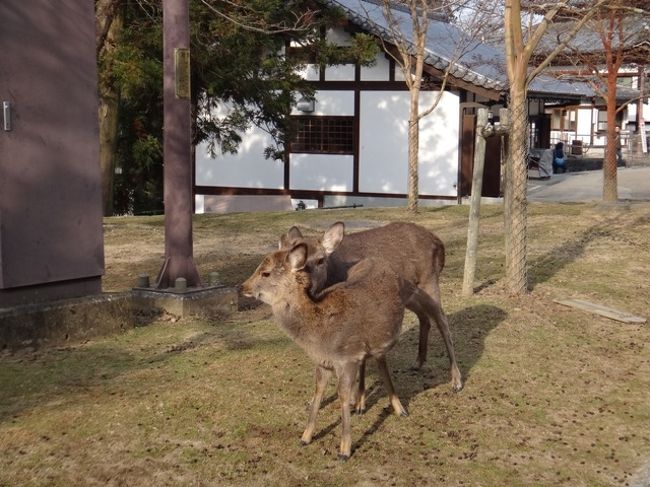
x=266, y=274
x=320, y=261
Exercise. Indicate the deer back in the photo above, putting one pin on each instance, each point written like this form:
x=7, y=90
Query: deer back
x=413, y=252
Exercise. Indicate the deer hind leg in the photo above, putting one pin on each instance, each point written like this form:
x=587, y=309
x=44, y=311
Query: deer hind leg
x=321, y=376
x=423, y=343
x=432, y=288
x=388, y=383
x=347, y=375
x=360, y=400
x=430, y=300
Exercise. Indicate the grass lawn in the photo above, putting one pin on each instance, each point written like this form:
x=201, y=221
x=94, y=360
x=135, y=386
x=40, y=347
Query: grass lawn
x=553, y=396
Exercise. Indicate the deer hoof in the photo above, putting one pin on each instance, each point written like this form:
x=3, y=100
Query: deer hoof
x=344, y=457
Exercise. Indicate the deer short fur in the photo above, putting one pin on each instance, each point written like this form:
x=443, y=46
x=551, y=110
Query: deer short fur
x=348, y=322
x=410, y=250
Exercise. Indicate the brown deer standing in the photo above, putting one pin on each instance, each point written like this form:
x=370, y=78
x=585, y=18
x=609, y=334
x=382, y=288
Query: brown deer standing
x=410, y=250
x=349, y=322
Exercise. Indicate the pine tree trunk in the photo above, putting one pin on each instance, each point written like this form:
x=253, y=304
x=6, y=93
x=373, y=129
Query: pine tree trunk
x=515, y=192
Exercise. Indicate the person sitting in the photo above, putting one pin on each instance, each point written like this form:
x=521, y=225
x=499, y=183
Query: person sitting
x=559, y=160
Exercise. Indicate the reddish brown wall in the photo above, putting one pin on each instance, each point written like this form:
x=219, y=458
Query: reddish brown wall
x=50, y=196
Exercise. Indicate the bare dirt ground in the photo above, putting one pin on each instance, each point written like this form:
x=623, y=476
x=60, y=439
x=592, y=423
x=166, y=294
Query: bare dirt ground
x=553, y=396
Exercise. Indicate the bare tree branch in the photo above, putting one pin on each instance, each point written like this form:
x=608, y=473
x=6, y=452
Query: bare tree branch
x=303, y=21
x=563, y=45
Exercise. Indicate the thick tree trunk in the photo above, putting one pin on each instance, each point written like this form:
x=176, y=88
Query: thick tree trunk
x=109, y=20
x=515, y=192
x=610, y=184
x=108, y=113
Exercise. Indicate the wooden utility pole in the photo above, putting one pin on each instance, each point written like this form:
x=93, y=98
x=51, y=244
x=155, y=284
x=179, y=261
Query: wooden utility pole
x=475, y=203
x=179, y=260
x=640, y=122
x=483, y=131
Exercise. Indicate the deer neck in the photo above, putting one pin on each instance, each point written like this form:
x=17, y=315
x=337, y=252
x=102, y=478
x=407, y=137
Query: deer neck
x=298, y=315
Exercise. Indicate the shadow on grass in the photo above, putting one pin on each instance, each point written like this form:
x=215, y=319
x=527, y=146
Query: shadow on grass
x=544, y=267
x=470, y=327
x=29, y=380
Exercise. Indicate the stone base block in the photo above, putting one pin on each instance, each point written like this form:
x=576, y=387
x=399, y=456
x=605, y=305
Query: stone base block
x=64, y=321
x=206, y=301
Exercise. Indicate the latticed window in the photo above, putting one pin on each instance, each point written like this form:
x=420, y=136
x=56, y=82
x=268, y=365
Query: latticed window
x=323, y=135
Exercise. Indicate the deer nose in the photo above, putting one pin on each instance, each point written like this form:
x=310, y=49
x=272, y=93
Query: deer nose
x=245, y=289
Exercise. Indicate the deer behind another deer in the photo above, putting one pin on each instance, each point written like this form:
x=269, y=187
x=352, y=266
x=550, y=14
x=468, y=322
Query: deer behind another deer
x=410, y=250
x=349, y=322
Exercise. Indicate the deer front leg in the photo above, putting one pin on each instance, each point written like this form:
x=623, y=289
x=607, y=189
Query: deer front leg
x=347, y=375
x=321, y=376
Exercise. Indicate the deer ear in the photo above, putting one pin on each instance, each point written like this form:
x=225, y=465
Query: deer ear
x=297, y=257
x=333, y=236
x=286, y=239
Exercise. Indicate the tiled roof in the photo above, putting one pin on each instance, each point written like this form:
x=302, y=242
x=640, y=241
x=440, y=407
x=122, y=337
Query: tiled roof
x=477, y=63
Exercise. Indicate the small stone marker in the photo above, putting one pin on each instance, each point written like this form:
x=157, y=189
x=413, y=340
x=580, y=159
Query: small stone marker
x=598, y=309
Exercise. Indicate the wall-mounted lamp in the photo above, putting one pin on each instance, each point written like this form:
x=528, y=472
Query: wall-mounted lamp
x=305, y=105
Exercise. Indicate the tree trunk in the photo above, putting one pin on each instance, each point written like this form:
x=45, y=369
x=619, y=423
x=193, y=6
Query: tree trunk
x=610, y=184
x=515, y=191
x=108, y=113
x=413, y=148
x=109, y=20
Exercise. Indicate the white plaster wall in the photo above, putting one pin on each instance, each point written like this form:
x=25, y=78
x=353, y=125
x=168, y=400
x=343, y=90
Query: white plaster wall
x=198, y=204
x=631, y=112
x=338, y=36
x=333, y=102
x=321, y=172
x=247, y=169
x=383, y=144
x=342, y=72
x=310, y=72
x=583, y=124
x=380, y=71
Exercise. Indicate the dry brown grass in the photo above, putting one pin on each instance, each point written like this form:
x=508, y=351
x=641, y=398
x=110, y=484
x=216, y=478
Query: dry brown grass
x=553, y=396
